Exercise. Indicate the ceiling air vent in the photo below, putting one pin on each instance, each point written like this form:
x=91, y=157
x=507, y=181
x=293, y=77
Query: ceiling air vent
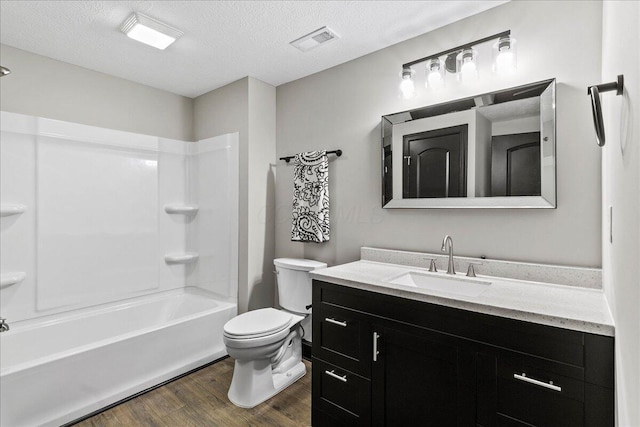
x=312, y=40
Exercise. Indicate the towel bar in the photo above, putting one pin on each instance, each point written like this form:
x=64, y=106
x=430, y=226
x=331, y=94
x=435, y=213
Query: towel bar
x=595, y=91
x=336, y=152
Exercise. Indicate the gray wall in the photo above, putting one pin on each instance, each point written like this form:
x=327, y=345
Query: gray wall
x=341, y=108
x=261, y=194
x=248, y=106
x=44, y=87
x=621, y=190
x=225, y=110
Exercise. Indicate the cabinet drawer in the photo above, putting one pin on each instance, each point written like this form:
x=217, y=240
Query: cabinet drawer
x=342, y=337
x=341, y=394
x=539, y=340
x=538, y=397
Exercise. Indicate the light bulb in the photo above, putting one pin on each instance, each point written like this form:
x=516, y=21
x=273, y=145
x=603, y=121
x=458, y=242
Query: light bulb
x=434, y=80
x=505, y=56
x=468, y=68
x=407, y=86
x=506, y=62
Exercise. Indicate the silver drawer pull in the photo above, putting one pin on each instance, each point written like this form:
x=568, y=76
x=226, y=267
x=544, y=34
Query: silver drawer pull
x=549, y=385
x=375, y=346
x=335, y=322
x=336, y=376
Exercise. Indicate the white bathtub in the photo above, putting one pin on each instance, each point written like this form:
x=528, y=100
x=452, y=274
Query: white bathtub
x=62, y=367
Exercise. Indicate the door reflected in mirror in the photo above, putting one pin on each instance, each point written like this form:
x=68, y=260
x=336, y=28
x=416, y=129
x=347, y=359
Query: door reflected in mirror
x=491, y=150
x=434, y=163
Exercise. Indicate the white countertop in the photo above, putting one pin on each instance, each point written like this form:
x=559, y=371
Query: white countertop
x=568, y=307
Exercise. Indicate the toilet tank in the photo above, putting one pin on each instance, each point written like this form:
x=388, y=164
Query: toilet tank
x=294, y=282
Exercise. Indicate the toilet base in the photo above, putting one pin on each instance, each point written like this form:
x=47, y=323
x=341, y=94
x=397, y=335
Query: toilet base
x=254, y=382
x=257, y=380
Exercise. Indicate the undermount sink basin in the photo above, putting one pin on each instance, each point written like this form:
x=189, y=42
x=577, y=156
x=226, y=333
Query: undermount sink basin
x=458, y=285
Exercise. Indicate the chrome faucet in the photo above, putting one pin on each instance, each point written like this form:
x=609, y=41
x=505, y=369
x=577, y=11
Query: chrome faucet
x=448, y=240
x=4, y=326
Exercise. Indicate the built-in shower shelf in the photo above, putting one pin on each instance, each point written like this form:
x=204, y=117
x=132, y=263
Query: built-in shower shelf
x=8, y=209
x=184, y=258
x=181, y=209
x=8, y=279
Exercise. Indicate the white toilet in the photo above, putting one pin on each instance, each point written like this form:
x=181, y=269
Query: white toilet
x=267, y=343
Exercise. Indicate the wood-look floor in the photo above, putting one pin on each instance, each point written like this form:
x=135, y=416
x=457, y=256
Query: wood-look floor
x=200, y=399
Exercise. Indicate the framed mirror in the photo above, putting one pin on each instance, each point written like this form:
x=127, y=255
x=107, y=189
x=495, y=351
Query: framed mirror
x=495, y=150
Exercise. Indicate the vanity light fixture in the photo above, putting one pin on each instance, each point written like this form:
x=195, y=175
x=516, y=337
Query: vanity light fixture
x=407, y=86
x=435, y=74
x=504, y=55
x=468, y=60
x=462, y=61
x=150, y=31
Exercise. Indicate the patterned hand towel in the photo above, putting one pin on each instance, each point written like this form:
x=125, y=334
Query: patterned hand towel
x=311, y=197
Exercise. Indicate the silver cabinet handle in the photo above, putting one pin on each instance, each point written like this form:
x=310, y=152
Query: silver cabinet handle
x=332, y=374
x=335, y=322
x=525, y=378
x=375, y=346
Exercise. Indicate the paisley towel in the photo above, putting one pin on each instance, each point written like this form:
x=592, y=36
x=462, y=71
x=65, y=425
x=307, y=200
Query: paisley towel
x=310, y=221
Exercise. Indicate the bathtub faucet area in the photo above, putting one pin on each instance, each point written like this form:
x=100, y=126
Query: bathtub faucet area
x=4, y=326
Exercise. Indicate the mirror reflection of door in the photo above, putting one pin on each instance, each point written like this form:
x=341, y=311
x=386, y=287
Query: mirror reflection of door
x=387, y=173
x=515, y=165
x=434, y=163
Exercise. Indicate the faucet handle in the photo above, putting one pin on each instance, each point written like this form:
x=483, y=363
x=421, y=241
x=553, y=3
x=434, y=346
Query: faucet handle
x=470, y=270
x=432, y=265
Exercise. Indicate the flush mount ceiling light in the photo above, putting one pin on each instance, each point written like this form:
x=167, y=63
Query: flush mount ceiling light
x=461, y=61
x=314, y=39
x=150, y=31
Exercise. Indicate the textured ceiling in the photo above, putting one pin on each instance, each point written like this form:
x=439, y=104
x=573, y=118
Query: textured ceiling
x=224, y=40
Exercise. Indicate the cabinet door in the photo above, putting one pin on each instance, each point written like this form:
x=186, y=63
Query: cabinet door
x=421, y=378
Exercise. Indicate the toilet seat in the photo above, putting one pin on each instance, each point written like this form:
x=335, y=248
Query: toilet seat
x=259, y=328
x=257, y=324
x=252, y=343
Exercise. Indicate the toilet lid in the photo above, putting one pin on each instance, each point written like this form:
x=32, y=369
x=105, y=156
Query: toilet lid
x=299, y=264
x=257, y=323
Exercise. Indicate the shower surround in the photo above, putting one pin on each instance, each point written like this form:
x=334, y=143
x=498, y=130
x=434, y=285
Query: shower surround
x=118, y=250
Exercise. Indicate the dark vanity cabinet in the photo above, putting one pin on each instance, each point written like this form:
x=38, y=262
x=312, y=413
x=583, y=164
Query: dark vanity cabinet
x=387, y=361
